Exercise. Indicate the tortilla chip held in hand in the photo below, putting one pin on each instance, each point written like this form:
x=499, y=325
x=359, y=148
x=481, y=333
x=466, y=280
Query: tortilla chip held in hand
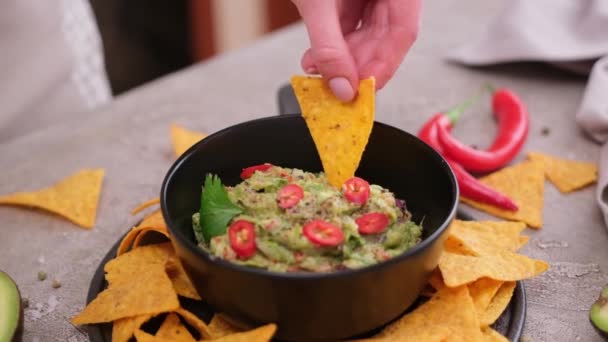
x=75, y=198
x=339, y=130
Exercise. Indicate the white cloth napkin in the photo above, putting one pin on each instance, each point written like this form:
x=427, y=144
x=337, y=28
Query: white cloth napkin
x=570, y=34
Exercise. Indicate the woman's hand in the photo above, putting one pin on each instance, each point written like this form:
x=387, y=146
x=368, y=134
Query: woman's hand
x=355, y=39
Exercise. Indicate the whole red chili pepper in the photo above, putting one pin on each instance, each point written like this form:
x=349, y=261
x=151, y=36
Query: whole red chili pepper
x=469, y=186
x=513, y=123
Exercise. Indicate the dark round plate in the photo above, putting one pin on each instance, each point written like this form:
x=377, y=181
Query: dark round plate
x=510, y=323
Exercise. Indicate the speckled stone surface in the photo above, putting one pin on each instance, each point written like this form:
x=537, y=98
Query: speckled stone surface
x=130, y=139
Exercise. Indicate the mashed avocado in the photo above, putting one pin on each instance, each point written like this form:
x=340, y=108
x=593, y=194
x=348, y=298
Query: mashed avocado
x=363, y=233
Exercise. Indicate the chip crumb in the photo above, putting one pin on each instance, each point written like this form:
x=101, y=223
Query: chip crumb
x=41, y=275
x=25, y=303
x=56, y=284
x=545, y=131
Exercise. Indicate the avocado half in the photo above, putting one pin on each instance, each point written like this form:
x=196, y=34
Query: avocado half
x=11, y=310
x=599, y=313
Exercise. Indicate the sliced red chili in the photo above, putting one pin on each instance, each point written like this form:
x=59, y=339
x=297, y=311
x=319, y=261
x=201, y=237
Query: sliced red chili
x=356, y=190
x=241, y=234
x=323, y=233
x=249, y=171
x=372, y=223
x=290, y=195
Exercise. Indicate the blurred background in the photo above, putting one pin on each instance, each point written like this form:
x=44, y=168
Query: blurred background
x=146, y=39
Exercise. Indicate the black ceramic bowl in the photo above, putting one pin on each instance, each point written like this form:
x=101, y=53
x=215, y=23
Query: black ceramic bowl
x=312, y=306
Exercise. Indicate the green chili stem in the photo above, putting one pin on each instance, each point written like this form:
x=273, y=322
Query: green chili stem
x=454, y=113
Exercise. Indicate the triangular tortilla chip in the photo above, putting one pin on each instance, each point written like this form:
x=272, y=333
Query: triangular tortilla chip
x=484, y=237
x=127, y=241
x=195, y=322
x=75, y=197
x=173, y=330
x=491, y=335
x=458, y=269
x=449, y=313
x=149, y=292
x=182, y=284
x=136, y=261
x=340, y=130
x=566, y=175
x=155, y=220
x=220, y=327
x=183, y=138
x=124, y=328
x=142, y=336
x=261, y=334
x=143, y=231
x=482, y=291
x=499, y=303
x=524, y=184
x=152, y=222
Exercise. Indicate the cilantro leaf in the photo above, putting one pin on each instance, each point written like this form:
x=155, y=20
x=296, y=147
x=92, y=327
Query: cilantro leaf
x=216, y=208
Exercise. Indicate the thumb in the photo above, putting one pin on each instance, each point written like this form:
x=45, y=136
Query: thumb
x=328, y=50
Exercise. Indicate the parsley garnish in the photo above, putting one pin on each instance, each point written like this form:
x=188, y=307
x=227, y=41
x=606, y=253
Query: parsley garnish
x=216, y=208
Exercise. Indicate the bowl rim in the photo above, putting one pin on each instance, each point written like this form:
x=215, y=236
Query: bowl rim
x=262, y=272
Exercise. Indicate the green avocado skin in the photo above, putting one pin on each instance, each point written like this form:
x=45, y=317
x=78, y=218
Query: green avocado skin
x=11, y=310
x=598, y=314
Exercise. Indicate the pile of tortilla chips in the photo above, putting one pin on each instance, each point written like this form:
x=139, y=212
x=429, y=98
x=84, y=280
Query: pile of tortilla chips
x=472, y=286
x=524, y=184
x=146, y=281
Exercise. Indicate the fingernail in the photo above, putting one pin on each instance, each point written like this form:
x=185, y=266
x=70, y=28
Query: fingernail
x=342, y=89
x=311, y=70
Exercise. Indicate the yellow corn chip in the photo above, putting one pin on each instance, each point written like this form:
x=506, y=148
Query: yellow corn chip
x=567, y=175
x=142, y=336
x=172, y=329
x=449, y=313
x=484, y=237
x=182, y=138
x=75, y=197
x=182, y=284
x=152, y=222
x=124, y=328
x=155, y=220
x=136, y=261
x=195, y=322
x=261, y=334
x=482, y=291
x=458, y=270
x=491, y=335
x=498, y=304
x=150, y=292
x=523, y=240
x=456, y=246
x=145, y=205
x=524, y=184
x=220, y=327
x=436, y=280
x=127, y=241
x=340, y=130
x=145, y=230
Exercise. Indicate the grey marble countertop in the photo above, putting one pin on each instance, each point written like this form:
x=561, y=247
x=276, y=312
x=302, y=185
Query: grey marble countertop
x=130, y=139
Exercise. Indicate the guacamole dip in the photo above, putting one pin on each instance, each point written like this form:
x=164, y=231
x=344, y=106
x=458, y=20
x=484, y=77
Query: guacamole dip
x=288, y=220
